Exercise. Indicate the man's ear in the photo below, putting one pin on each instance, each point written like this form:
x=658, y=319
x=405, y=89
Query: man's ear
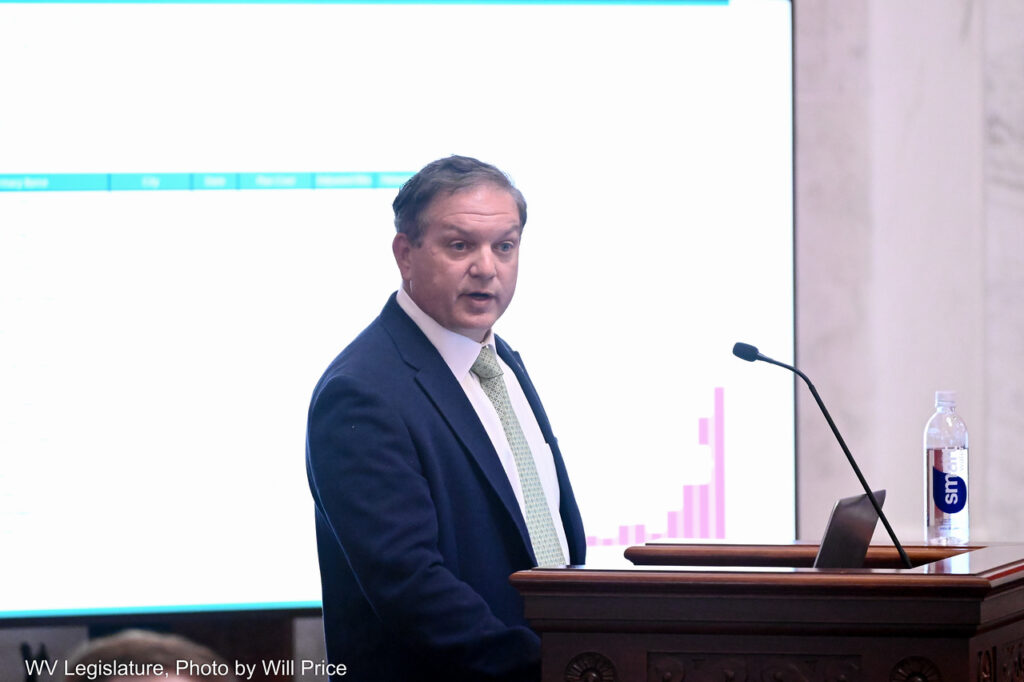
x=402, y=248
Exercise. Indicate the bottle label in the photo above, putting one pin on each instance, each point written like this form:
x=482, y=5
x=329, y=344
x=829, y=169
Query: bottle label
x=949, y=492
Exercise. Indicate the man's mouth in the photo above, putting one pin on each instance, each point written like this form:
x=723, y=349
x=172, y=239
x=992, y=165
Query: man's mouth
x=480, y=296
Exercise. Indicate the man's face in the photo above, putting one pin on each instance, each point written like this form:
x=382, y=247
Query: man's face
x=463, y=272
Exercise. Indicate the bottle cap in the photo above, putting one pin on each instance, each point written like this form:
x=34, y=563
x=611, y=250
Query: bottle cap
x=945, y=398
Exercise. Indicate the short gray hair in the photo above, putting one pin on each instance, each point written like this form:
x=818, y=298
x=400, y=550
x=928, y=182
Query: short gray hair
x=447, y=176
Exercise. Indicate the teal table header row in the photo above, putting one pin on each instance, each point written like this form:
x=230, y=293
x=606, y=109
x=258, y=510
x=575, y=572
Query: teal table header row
x=112, y=182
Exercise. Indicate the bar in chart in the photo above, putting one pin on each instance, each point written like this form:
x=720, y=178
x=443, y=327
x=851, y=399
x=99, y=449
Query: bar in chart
x=701, y=514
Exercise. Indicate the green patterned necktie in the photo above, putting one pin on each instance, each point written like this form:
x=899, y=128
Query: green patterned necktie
x=538, y=515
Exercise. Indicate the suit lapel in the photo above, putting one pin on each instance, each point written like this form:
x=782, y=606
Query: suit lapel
x=437, y=381
x=513, y=360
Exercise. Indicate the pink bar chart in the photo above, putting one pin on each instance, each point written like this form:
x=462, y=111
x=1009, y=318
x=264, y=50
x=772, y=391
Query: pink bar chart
x=701, y=514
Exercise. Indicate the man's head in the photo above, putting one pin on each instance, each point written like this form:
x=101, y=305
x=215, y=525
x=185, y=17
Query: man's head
x=445, y=177
x=459, y=225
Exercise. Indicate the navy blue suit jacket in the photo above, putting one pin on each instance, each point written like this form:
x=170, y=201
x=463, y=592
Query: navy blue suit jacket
x=418, y=529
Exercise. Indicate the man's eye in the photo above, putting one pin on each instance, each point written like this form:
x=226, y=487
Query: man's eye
x=505, y=247
x=458, y=246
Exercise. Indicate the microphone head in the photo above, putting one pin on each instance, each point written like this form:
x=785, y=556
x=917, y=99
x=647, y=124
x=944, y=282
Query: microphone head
x=745, y=351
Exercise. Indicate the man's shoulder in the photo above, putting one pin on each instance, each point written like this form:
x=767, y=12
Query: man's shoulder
x=390, y=347
x=375, y=347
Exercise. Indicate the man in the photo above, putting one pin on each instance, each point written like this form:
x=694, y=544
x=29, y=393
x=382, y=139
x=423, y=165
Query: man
x=431, y=461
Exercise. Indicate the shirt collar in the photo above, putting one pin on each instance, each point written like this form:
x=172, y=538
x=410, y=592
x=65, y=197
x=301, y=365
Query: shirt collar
x=459, y=352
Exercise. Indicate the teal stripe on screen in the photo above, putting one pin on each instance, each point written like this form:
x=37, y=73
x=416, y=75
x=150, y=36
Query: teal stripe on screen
x=178, y=608
x=215, y=181
x=275, y=181
x=150, y=181
x=155, y=182
x=55, y=182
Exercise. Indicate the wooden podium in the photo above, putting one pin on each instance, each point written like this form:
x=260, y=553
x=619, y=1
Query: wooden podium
x=736, y=613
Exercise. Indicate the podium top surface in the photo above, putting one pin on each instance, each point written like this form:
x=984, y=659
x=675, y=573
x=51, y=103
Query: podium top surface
x=976, y=569
x=933, y=558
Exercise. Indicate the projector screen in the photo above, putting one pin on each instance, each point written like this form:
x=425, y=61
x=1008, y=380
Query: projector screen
x=195, y=219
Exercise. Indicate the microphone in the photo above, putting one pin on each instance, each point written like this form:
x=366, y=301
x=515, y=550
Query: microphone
x=745, y=351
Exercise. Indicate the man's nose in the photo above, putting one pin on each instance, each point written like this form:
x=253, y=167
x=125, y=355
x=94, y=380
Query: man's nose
x=483, y=264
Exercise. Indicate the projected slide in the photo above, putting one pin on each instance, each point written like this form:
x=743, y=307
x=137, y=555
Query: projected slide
x=195, y=218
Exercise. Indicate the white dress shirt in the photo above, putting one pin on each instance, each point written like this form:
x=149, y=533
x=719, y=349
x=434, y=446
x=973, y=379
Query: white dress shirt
x=459, y=353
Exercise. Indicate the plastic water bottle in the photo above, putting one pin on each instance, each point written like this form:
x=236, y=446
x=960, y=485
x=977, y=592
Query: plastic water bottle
x=947, y=520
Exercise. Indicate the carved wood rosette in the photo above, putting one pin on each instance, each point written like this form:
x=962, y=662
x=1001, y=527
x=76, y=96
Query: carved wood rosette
x=915, y=669
x=590, y=667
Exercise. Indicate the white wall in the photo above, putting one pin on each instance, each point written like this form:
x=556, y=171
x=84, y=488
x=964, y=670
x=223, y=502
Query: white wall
x=910, y=247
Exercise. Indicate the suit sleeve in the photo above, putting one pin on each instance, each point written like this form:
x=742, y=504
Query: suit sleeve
x=367, y=483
